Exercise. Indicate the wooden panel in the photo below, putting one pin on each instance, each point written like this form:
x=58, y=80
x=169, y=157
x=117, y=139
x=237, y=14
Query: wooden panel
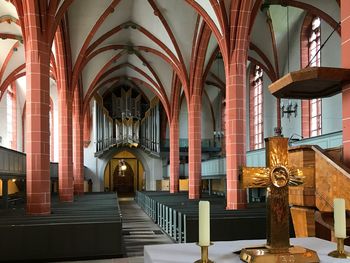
x=218, y=185
x=183, y=184
x=308, y=83
x=12, y=162
x=330, y=183
x=162, y=185
x=336, y=153
x=303, y=221
x=303, y=157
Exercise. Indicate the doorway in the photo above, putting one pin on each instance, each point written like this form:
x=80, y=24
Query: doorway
x=124, y=174
x=123, y=179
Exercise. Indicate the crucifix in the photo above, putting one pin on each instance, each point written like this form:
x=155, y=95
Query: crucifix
x=277, y=176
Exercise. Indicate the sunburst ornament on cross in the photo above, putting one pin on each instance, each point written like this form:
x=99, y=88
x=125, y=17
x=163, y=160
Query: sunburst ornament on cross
x=276, y=177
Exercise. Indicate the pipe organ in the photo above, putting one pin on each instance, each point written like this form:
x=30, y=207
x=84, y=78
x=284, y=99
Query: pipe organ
x=103, y=128
x=150, y=128
x=123, y=118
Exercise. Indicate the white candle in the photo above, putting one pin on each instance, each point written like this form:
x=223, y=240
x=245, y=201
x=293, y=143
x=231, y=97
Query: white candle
x=339, y=218
x=204, y=223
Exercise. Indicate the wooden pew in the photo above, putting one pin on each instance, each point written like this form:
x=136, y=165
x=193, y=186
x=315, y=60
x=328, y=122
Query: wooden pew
x=90, y=227
x=178, y=217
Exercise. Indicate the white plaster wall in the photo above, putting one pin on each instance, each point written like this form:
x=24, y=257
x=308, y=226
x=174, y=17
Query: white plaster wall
x=90, y=162
x=332, y=114
x=331, y=51
x=155, y=165
x=207, y=120
x=291, y=125
x=183, y=120
x=21, y=98
x=270, y=109
x=291, y=57
x=217, y=111
x=206, y=124
x=54, y=97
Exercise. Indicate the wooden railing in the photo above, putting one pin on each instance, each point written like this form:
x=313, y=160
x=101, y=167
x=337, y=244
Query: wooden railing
x=12, y=162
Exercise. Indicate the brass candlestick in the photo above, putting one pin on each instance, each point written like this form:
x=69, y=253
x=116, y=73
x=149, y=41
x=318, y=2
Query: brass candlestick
x=340, y=252
x=204, y=255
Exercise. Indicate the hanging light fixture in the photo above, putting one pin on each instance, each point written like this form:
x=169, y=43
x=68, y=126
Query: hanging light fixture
x=122, y=167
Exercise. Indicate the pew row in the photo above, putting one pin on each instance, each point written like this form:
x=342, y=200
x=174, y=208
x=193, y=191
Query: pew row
x=178, y=217
x=90, y=227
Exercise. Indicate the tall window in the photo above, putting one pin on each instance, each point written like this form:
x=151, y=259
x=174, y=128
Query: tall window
x=9, y=116
x=315, y=61
x=256, y=108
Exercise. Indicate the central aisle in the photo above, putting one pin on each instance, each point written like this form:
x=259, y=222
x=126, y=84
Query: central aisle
x=138, y=229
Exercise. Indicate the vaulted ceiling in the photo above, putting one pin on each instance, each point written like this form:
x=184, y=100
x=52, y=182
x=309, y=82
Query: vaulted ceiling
x=144, y=42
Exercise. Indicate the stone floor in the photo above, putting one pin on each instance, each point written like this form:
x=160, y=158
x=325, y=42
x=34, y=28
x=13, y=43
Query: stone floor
x=138, y=231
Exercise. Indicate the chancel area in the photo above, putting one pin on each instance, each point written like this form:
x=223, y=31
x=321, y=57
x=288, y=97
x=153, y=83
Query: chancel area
x=131, y=130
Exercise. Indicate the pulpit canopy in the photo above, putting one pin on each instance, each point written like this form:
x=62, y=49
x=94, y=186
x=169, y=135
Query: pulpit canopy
x=310, y=83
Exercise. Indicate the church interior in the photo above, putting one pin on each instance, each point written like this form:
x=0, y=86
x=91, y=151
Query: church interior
x=119, y=116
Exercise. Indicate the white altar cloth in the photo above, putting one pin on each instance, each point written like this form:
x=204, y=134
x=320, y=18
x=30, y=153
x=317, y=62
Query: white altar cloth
x=221, y=251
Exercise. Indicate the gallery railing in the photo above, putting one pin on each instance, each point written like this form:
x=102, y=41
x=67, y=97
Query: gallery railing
x=330, y=140
x=145, y=144
x=217, y=167
x=206, y=144
x=13, y=164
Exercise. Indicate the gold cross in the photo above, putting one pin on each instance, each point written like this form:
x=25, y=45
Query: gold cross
x=276, y=177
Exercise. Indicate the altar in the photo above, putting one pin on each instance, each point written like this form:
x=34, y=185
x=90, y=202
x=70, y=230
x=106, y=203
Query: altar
x=222, y=251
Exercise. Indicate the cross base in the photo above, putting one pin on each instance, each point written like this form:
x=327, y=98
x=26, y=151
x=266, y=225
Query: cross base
x=293, y=254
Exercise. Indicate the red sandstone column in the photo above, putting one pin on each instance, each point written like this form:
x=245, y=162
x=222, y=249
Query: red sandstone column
x=78, y=147
x=65, y=166
x=194, y=147
x=14, y=116
x=235, y=133
x=37, y=118
x=174, y=155
x=305, y=118
x=345, y=39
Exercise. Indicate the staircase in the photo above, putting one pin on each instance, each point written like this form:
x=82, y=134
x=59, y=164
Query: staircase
x=326, y=178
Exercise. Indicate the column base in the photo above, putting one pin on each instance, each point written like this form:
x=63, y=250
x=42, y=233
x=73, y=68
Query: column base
x=38, y=209
x=79, y=189
x=66, y=197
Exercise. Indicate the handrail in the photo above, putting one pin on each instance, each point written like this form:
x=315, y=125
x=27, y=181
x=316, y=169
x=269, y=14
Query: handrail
x=337, y=165
x=183, y=143
x=13, y=164
x=11, y=150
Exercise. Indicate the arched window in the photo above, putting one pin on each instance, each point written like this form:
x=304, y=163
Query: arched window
x=9, y=102
x=310, y=42
x=52, y=137
x=256, y=108
x=315, y=61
